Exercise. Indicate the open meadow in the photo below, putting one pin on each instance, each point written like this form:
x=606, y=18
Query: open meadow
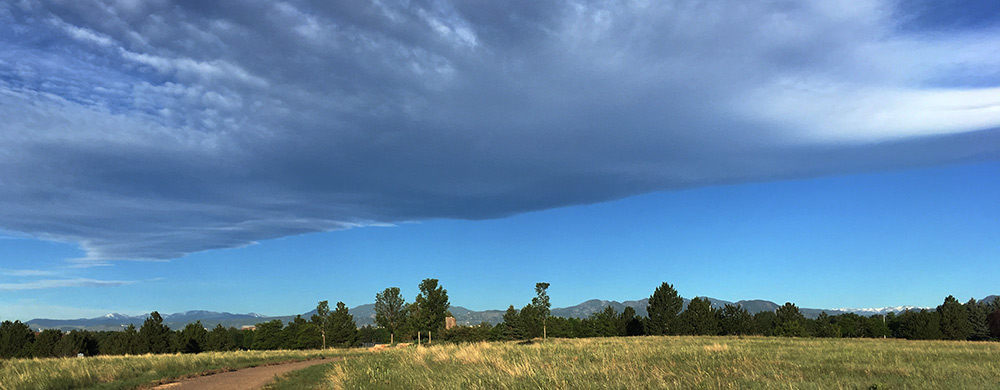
x=686, y=362
x=133, y=371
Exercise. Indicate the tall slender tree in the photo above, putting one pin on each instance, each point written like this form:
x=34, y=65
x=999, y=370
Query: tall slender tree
x=662, y=309
x=390, y=311
x=542, y=305
x=322, y=319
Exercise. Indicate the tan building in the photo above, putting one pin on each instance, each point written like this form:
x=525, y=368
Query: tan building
x=449, y=322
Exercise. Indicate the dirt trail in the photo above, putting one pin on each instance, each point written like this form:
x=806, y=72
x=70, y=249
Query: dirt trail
x=247, y=378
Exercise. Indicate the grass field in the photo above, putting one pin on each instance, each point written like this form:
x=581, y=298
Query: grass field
x=127, y=372
x=674, y=362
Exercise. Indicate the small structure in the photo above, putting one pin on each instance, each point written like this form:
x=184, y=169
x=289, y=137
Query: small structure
x=449, y=322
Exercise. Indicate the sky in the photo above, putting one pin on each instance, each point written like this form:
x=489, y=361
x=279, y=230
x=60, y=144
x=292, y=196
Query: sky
x=260, y=156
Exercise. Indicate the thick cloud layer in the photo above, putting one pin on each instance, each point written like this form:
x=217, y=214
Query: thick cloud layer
x=148, y=130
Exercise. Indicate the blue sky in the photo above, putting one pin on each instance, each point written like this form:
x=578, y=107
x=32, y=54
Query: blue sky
x=262, y=156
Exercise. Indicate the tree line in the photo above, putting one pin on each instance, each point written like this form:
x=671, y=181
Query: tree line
x=326, y=328
x=952, y=320
x=398, y=320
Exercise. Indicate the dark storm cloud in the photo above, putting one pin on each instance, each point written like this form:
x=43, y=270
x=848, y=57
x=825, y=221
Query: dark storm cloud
x=148, y=130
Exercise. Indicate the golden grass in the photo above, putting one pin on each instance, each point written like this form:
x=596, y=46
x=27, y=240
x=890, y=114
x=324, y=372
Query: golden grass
x=680, y=363
x=130, y=371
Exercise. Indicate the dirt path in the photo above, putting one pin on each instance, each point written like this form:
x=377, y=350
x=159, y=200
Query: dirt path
x=247, y=378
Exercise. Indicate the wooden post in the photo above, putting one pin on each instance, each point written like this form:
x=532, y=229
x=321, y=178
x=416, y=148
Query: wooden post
x=418, y=337
x=428, y=337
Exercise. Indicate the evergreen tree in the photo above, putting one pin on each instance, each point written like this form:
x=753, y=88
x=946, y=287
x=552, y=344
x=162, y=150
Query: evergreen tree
x=699, y=318
x=662, y=309
x=390, y=311
x=342, y=329
x=541, y=304
x=920, y=325
x=193, y=339
x=302, y=334
x=954, y=320
x=629, y=323
x=735, y=320
x=510, y=328
x=16, y=340
x=77, y=342
x=765, y=323
x=120, y=343
x=979, y=328
x=154, y=337
x=993, y=318
x=530, y=322
x=220, y=339
x=605, y=322
x=790, y=322
x=268, y=335
x=876, y=326
x=45, y=343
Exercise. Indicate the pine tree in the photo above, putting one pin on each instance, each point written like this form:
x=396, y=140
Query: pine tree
x=790, y=322
x=699, y=318
x=193, y=339
x=954, y=320
x=735, y=320
x=979, y=328
x=16, y=340
x=45, y=343
x=510, y=328
x=154, y=337
x=662, y=309
x=342, y=329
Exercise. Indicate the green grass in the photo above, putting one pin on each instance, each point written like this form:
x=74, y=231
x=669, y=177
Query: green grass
x=128, y=372
x=675, y=362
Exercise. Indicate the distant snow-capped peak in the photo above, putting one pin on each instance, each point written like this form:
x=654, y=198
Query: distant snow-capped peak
x=880, y=310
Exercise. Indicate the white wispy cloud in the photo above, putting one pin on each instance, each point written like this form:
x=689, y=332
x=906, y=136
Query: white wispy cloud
x=62, y=283
x=27, y=272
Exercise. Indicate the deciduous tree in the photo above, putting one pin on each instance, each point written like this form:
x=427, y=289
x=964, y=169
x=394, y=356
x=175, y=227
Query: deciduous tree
x=431, y=306
x=390, y=311
x=322, y=318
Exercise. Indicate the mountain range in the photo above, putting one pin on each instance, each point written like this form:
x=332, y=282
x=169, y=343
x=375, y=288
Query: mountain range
x=365, y=314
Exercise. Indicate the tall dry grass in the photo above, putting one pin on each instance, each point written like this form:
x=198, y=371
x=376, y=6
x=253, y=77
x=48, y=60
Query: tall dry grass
x=124, y=372
x=680, y=363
